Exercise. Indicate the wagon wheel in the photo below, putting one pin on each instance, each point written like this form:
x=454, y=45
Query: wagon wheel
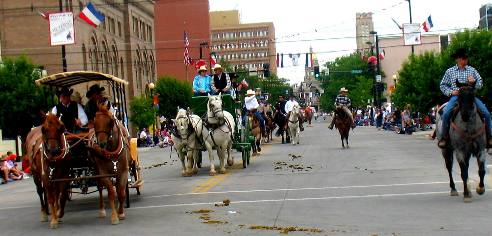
x=244, y=153
x=199, y=161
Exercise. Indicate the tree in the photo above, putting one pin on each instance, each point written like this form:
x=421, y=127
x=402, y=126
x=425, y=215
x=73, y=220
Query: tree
x=418, y=83
x=173, y=93
x=142, y=112
x=420, y=76
x=23, y=103
x=359, y=84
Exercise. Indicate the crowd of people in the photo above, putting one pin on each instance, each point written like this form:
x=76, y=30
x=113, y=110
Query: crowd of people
x=159, y=138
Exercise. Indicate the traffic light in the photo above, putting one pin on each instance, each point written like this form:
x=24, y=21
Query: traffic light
x=266, y=70
x=316, y=72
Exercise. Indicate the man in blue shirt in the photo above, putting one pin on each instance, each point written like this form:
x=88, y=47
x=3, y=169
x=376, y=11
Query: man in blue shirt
x=201, y=82
x=461, y=73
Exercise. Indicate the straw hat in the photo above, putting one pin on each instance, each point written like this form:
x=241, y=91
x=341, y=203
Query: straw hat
x=250, y=92
x=202, y=68
x=217, y=66
x=343, y=89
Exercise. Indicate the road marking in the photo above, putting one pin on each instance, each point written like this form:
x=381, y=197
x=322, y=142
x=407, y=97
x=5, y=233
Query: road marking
x=297, y=189
x=210, y=183
x=300, y=199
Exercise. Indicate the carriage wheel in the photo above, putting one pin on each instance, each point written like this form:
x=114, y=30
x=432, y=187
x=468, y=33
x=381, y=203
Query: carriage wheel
x=127, y=191
x=245, y=158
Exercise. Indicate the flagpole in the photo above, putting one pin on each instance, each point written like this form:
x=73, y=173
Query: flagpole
x=64, y=59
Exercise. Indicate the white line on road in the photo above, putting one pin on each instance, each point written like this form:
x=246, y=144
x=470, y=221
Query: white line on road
x=298, y=199
x=299, y=189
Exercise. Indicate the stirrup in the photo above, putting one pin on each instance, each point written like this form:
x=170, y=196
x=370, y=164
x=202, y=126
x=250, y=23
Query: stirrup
x=442, y=143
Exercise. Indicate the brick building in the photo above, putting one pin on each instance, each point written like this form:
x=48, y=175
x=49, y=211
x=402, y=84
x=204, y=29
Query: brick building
x=172, y=19
x=123, y=45
x=248, y=46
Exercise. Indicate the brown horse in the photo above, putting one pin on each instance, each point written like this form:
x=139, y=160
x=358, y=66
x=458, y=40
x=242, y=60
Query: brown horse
x=343, y=124
x=110, y=150
x=270, y=126
x=308, y=115
x=255, y=131
x=48, y=153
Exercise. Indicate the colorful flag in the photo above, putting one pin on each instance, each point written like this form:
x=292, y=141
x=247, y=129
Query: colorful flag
x=91, y=15
x=382, y=55
x=45, y=15
x=427, y=25
x=187, y=58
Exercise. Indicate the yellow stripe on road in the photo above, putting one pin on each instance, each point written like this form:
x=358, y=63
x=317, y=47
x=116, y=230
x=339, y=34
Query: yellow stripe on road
x=210, y=183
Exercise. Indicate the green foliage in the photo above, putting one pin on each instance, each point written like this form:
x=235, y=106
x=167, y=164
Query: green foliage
x=359, y=85
x=272, y=85
x=173, y=93
x=22, y=101
x=418, y=83
x=142, y=112
x=420, y=76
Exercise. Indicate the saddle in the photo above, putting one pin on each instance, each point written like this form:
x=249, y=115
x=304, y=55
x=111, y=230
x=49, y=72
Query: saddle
x=456, y=110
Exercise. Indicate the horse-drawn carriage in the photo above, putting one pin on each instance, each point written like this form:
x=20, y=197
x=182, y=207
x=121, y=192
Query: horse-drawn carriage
x=88, y=160
x=242, y=138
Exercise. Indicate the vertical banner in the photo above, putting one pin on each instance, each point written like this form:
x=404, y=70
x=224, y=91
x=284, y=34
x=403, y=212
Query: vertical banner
x=411, y=34
x=62, y=31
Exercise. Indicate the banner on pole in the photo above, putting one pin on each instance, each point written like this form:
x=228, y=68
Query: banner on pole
x=411, y=34
x=62, y=31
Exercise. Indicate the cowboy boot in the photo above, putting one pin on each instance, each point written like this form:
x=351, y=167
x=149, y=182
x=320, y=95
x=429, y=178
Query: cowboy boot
x=442, y=143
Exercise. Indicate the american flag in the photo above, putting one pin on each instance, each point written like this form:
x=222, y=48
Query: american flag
x=187, y=58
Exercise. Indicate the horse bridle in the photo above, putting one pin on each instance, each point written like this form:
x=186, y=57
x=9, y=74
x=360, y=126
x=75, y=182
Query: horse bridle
x=188, y=133
x=65, y=149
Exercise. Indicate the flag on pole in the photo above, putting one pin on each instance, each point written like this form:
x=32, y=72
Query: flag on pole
x=45, y=15
x=91, y=16
x=382, y=55
x=187, y=58
x=427, y=25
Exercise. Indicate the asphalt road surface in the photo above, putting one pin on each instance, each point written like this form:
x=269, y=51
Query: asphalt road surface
x=385, y=184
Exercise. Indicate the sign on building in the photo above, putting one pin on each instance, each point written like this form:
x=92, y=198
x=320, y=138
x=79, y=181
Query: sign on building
x=411, y=34
x=62, y=31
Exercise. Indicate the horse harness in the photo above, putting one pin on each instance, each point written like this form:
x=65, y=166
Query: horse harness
x=51, y=161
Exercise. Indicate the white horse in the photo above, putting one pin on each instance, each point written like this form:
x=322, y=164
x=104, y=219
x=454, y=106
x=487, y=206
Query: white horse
x=186, y=141
x=218, y=133
x=293, y=124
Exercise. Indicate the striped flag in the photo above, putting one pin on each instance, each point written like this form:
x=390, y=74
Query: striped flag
x=187, y=58
x=427, y=25
x=91, y=16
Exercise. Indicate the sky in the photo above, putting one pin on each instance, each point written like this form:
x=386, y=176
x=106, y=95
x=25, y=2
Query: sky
x=328, y=26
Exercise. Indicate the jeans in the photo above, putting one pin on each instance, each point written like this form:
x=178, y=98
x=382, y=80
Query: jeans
x=447, y=115
x=201, y=94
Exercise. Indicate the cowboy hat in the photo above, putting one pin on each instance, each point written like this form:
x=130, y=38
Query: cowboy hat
x=202, y=68
x=250, y=92
x=217, y=66
x=460, y=53
x=64, y=91
x=94, y=89
x=343, y=89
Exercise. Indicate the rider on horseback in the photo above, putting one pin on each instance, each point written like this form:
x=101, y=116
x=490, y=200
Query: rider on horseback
x=252, y=106
x=461, y=73
x=288, y=108
x=343, y=101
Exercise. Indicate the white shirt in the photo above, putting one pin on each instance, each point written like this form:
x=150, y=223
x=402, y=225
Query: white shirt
x=289, y=105
x=81, y=114
x=251, y=103
x=143, y=135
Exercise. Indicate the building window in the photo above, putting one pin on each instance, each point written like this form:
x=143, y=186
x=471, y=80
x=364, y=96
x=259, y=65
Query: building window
x=122, y=68
x=119, y=28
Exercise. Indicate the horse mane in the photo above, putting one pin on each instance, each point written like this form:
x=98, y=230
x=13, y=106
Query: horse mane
x=50, y=120
x=101, y=107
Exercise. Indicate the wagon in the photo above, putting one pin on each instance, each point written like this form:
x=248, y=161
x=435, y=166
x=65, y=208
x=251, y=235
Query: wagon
x=242, y=139
x=82, y=171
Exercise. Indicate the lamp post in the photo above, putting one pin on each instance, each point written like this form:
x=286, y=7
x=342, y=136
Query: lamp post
x=410, y=13
x=151, y=88
x=377, y=76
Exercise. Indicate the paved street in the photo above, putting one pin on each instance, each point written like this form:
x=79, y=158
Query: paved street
x=385, y=184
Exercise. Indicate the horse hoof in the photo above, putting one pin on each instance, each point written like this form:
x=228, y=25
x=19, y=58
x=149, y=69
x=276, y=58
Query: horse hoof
x=467, y=199
x=115, y=221
x=54, y=225
x=230, y=162
x=480, y=190
x=213, y=173
x=187, y=174
x=102, y=214
x=195, y=171
x=454, y=193
x=44, y=217
x=222, y=171
x=121, y=216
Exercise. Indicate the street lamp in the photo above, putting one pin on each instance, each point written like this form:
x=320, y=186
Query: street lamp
x=377, y=76
x=410, y=13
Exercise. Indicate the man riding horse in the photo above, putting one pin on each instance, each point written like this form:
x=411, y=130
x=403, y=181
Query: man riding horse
x=71, y=113
x=343, y=101
x=252, y=105
x=289, y=105
x=462, y=74
x=94, y=94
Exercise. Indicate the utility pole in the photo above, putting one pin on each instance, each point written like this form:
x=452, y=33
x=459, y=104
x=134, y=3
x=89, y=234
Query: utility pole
x=410, y=11
x=378, y=72
x=64, y=59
